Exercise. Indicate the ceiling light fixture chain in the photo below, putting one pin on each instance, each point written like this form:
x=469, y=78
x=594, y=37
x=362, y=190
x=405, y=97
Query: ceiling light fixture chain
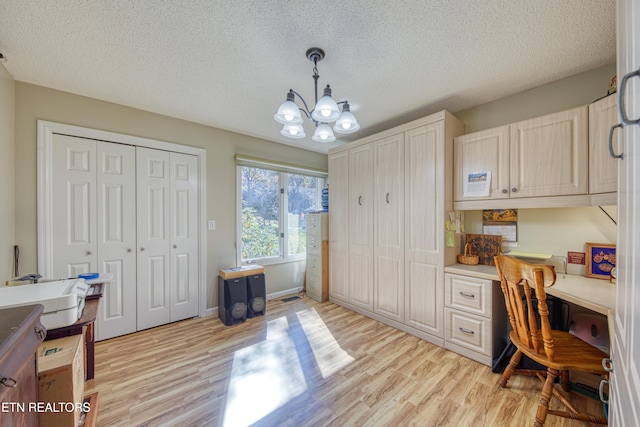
x=326, y=110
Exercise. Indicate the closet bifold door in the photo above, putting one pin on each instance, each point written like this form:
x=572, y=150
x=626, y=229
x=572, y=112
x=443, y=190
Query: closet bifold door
x=116, y=233
x=153, y=248
x=94, y=215
x=184, y=235
x=74, y=211
x=167, y=247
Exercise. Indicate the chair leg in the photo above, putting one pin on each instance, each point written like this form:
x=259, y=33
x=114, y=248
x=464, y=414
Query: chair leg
x=565, y=381
x=547, y=390
x=508, y=371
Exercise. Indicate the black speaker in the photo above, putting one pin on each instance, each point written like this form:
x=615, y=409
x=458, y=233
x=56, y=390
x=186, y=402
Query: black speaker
x=256, y=295
x=232, y=300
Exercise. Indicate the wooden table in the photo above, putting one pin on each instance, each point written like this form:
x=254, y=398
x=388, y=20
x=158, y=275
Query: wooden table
x=84, y=326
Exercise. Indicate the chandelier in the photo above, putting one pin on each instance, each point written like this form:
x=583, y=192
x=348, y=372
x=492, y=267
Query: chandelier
x=326, y=110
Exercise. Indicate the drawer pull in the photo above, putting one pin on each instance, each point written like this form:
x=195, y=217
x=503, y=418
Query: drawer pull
x=467, y=294
x=8, y=382
x=466, y=331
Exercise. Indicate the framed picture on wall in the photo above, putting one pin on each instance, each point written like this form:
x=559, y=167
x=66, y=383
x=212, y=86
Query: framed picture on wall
x=601, y=259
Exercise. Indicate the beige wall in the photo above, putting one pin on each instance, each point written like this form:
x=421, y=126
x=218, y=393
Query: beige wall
x=35, y=102
x=553, y=231
x=7, y=174
x=574, y=91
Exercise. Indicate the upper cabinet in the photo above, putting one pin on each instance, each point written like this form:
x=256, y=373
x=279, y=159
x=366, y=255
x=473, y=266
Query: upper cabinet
x=603, y=169
x=549, y=155
x=483, y=151
x=541, y=162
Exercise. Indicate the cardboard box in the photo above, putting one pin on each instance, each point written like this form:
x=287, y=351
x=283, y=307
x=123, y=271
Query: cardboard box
x=61, y=381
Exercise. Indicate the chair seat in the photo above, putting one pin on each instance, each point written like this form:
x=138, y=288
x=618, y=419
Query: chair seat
x=571, y=353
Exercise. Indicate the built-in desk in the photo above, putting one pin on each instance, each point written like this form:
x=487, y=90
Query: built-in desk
x=594, y=294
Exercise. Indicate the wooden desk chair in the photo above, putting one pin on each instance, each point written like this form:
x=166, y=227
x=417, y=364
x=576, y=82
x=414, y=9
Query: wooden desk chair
x=558, y=351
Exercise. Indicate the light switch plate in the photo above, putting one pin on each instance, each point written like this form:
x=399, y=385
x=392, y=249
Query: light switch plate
x=211, y=224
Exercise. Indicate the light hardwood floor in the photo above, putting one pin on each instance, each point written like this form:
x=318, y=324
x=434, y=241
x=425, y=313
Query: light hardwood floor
x=302, y=364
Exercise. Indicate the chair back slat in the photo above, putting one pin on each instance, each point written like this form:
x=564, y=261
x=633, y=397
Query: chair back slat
x=517, y=278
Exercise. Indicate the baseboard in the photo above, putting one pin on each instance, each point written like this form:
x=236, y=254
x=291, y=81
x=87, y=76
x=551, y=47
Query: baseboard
x=211, y=312
x=279, y=294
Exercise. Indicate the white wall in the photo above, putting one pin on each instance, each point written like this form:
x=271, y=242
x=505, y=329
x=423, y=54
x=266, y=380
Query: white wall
x=7, y=174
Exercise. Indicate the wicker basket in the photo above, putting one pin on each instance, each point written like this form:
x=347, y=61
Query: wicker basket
x=467, y=257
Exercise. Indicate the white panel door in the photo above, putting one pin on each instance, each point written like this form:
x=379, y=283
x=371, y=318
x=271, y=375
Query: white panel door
x=74, y=206
x=153, y=232
x=389, y=231
x=424, y=228
x=184, y=235
x=338, y=225
x=116, y=219
x=625, y=379
x=361, y=226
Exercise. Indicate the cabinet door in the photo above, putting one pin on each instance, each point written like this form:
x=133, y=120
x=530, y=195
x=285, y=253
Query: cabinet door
x=484, y=151
x=549, y=155
x=625, y=379
x=389, y=231
x=361, y=226
x=603, y=169
x=424, y=228
x=338, y=225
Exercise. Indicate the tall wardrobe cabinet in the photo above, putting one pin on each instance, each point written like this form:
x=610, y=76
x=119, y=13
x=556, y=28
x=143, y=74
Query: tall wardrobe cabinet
x=389, y=196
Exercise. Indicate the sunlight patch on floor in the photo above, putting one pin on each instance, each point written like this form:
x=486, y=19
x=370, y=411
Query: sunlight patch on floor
x=329, y=356
x=264, y=377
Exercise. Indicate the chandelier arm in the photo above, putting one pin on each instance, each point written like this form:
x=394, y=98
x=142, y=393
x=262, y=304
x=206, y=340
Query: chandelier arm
x=305, y=110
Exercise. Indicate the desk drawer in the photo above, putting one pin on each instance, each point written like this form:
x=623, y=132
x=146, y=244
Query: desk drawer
x=468, y=331
x=468, y=294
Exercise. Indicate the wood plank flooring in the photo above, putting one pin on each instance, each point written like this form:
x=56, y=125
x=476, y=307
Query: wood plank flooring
x=303, y=364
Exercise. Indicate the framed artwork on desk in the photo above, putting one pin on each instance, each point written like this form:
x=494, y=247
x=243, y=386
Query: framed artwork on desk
x=601, y=259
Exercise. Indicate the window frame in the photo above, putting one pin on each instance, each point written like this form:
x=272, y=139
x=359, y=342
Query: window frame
x=284, y=170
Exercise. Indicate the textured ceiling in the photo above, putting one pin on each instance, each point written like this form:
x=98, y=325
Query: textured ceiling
x=229, y=64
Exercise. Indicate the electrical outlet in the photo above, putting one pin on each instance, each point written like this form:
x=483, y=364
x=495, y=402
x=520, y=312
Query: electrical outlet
x=211, y=224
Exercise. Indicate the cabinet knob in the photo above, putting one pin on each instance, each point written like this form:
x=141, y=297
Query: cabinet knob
x=141, y=248
x=88, y=253
x=387, y=197
x=504, y=191
x=175, y=246
x=128, y=249
x=514, y=190
x=360, y=200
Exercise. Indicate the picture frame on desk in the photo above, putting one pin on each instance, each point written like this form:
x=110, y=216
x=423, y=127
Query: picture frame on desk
x=601, y=259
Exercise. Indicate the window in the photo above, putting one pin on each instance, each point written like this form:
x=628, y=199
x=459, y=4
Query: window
x=273, y=204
